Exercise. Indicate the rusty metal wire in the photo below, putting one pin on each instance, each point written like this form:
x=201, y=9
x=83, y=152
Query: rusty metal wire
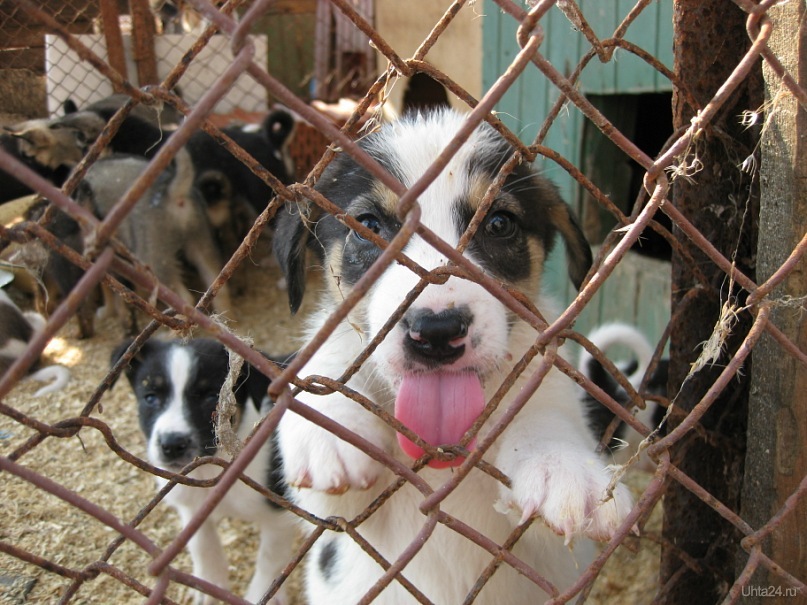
x=107, y=261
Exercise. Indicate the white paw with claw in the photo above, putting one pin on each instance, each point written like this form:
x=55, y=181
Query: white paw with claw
x=317, y=459
x=571, y=496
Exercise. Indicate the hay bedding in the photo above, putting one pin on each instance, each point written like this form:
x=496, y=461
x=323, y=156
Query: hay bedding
x=44, y=525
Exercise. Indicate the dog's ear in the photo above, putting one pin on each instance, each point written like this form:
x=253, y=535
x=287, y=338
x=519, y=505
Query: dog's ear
x=290, y=242
x=69, y=106
x=278, y=126
x=578, y=250
x=135, y=362
x=117, y=353
x=182, y=183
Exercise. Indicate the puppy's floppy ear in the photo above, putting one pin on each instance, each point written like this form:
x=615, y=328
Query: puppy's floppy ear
x=292, y=233
x=135, y=362
x=552, y=215
x=117, y=353
x=578, y=250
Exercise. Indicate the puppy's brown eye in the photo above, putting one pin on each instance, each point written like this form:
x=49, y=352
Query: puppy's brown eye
x=369, y=221
x=500, y=224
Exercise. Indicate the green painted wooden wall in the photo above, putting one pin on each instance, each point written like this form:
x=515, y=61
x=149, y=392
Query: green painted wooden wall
x=639, y=291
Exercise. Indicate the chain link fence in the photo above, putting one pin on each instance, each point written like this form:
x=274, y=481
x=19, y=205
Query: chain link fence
x=89, y=538
x=32, y=51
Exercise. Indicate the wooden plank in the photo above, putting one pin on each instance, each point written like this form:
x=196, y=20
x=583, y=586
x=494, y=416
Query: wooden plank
x=143, y=31
x=32, y=59
x=776, y=460
x=290, y=52
x=14, y=16
x=626, y=294
x=499, y=35
x=603, y=17
x=15, y=36
x=653, y=296
x=114, y=37
x=663, y=50
x=631, y=73
x=292, y=7
x=561, y=45
x=69, y=11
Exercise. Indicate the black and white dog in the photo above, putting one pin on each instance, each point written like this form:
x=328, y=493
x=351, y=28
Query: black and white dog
x=625, y=440
x=437, y=369
x=177, y=387
x=17, y=329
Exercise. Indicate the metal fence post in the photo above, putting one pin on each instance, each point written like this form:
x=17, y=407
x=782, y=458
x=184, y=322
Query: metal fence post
x=710, y=189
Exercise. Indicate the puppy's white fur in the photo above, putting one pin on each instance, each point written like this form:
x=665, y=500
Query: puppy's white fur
x=547, y=452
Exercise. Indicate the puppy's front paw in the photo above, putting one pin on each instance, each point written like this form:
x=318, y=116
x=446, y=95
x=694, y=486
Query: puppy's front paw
x=570, y=494
x=317, y=459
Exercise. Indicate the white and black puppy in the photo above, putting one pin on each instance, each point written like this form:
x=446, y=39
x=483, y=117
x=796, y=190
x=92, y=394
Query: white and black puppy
x=437, y=370
x=17, y=329
x=625, y=440
x=177, y=387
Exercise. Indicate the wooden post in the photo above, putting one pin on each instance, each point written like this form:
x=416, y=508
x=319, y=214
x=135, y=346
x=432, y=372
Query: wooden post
x=722, y=202
x=777, y=422
x=114, y=39
x=143, y=32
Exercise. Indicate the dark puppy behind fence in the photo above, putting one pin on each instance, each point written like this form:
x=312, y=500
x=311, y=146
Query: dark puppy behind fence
x=167, y=224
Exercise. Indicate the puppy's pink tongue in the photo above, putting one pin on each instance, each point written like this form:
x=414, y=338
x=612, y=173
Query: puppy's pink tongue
x=440, y=407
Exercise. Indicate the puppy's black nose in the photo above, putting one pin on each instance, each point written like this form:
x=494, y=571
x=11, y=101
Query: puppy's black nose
x=175, y=446
x=434, y=337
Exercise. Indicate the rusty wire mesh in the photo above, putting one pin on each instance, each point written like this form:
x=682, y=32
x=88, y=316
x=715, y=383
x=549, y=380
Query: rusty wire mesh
x=108, y=263
x=31, y=50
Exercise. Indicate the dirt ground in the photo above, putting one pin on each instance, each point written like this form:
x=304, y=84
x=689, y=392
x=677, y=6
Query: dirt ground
x=36, y=522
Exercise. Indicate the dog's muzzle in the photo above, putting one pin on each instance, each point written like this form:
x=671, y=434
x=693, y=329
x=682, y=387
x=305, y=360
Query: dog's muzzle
x=176, y=449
